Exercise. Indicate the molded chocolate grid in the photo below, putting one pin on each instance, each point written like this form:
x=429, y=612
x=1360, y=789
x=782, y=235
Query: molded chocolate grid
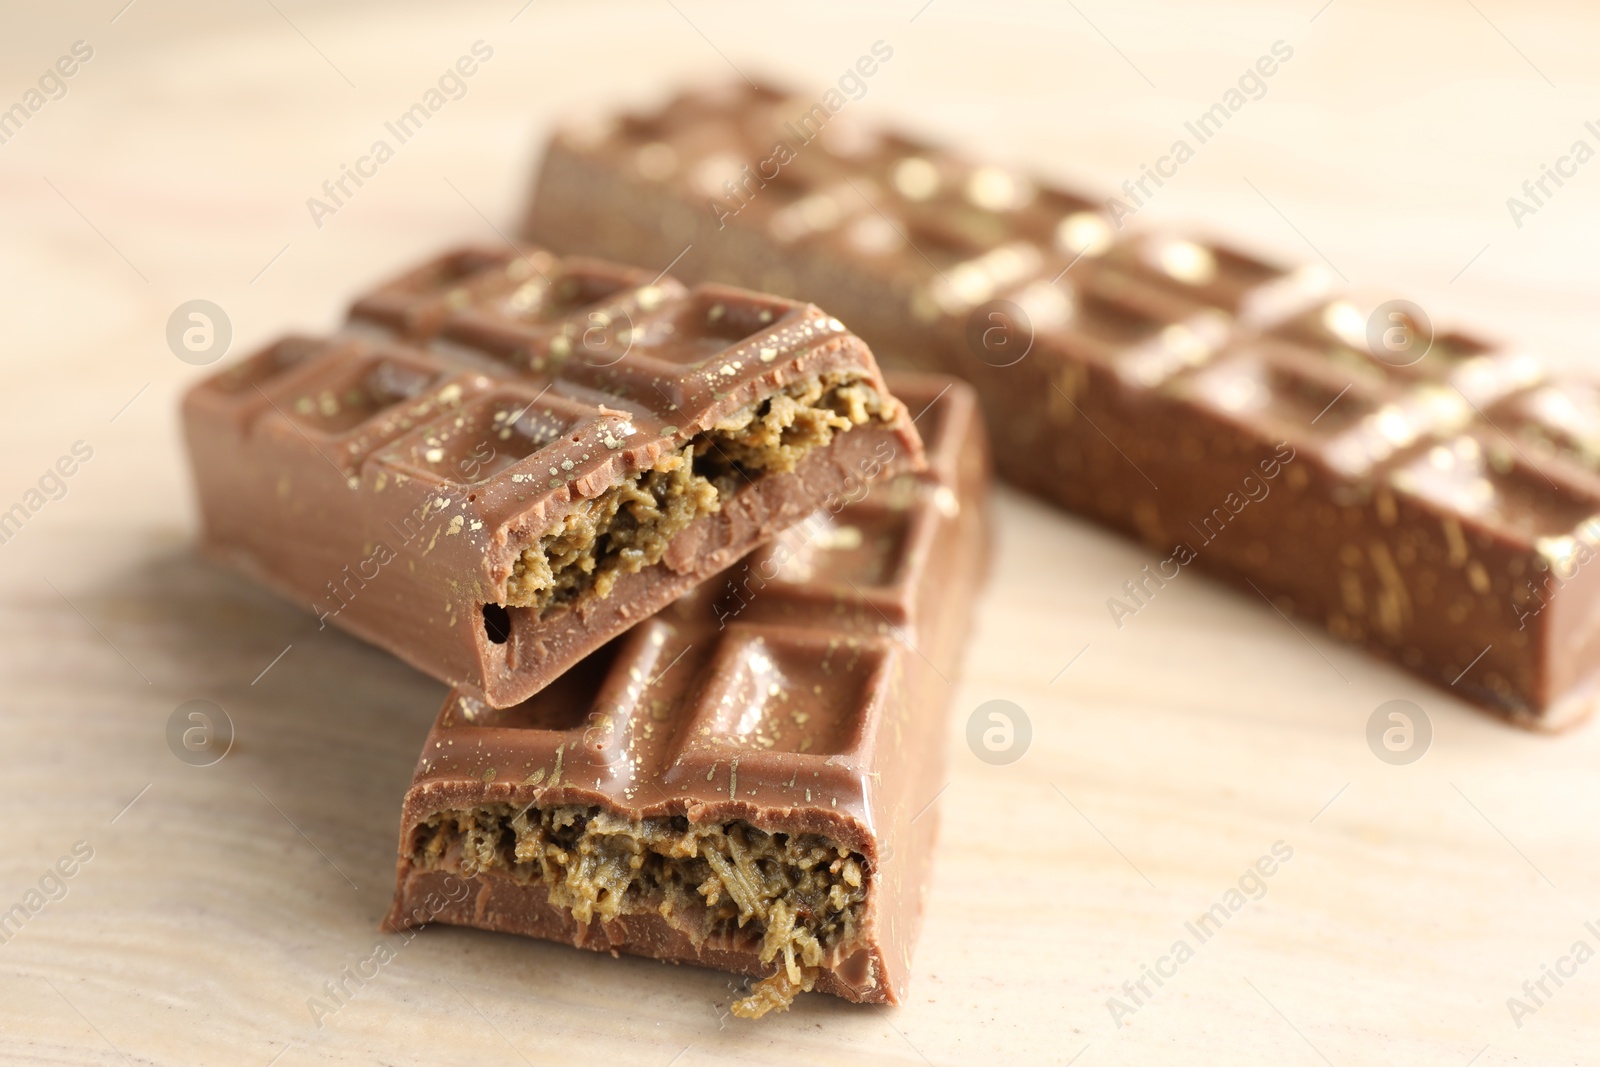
x=816, y=708
x=658, y=699
x=469, y=405
x=649, y=345
x=417, y=304
x=1149, y=354
x=1559, y=418
x=957, y=231
x=995, y=233
x=1421, y=524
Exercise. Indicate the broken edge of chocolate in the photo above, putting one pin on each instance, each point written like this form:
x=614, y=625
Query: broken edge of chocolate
x=504, y=461
x=746, y=780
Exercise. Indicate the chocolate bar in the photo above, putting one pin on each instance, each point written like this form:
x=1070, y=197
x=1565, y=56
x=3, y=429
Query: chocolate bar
x=504, y=461
x=746, y=780
x=1431, y=495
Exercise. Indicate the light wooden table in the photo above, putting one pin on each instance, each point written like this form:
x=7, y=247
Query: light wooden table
x=1167, y=759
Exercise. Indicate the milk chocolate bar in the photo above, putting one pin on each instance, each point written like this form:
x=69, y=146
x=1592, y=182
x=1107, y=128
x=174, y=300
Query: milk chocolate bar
x=746, y=780
x=1432, y=495
x=504, y=461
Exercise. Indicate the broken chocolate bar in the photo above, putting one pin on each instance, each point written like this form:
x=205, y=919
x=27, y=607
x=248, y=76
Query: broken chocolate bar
x=504, y=461
x=1433, y=496
x=746, y=780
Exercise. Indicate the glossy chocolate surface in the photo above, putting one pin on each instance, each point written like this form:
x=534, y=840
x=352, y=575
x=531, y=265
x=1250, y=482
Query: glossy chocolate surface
x=803, y=691
x=391, y=475
x=1431, y=495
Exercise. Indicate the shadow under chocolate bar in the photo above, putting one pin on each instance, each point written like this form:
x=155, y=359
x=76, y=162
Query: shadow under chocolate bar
x=746, y=780
x=1435, y=497
x=504, y=460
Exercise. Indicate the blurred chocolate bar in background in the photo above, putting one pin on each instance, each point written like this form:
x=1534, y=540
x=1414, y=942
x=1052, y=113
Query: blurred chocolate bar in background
x=1433, y=496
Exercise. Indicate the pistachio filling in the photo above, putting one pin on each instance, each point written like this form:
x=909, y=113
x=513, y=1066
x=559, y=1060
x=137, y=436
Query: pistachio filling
x=624, y=529
x=631, y=524
x=789, y=897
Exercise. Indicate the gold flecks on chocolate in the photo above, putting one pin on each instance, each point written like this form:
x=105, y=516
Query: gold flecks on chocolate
x=1477, y=577
x=1383, y=500
x=1393, y=605
x=1351, y=591
x=1455, y=540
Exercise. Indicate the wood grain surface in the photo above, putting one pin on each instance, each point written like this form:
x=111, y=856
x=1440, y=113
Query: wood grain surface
x=1166, y=756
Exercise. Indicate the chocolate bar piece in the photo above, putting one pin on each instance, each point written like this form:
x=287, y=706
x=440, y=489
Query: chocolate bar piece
x=504, y=461
x=746, y=780
x=1432, y=496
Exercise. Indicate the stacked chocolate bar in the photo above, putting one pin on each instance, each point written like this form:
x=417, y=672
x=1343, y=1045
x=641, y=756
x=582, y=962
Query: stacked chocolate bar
x=1435, y=497
x=521, y=474
x=742, y=779
x=698, y=576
